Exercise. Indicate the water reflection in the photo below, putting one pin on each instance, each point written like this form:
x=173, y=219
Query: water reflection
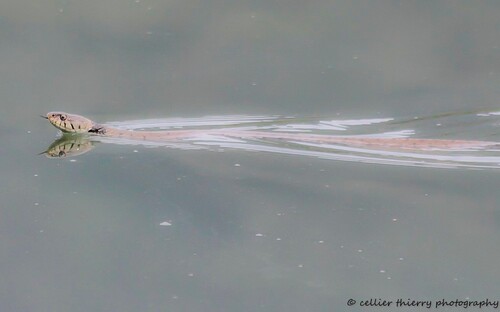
x=69, y=146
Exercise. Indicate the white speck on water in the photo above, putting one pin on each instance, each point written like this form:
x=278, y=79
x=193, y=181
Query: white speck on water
x=278, y=239
x=252, y=16
x=72, y=160
x=341, y=246
x=35, y=175
x=149, y=33
x=36, y=204
x=237, y=165
x=191, y=274
x=388, y=277
x=41, y=231
x=28, y=131
x=382, y=271
x=259, y=235
x=175, y=297
x=321, y=242
x=394, y=220
x=165, y=223
x=61, y=10
x=300, y=266
x=360, y=250
x=355, y=57
x=135, y=151
x=254, y=83
x=438, y=124
x=401, y=259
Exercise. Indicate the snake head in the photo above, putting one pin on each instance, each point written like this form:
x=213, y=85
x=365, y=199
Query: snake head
x=70, y=123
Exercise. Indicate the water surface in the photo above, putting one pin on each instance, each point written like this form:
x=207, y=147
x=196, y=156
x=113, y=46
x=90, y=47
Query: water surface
x=248, y=226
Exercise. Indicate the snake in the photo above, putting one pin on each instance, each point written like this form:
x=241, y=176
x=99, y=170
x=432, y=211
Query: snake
x=76, y=124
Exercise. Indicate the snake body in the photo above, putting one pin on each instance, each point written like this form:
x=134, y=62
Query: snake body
x=71, y=123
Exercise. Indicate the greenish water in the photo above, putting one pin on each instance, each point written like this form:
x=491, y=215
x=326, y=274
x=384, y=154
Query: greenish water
x=137, y=228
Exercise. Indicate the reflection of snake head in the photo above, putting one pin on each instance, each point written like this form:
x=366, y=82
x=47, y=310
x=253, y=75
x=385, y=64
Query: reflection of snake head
x=71, y=123
x=69, y=146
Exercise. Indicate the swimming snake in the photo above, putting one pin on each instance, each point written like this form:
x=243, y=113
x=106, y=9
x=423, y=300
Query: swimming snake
x=71, y=123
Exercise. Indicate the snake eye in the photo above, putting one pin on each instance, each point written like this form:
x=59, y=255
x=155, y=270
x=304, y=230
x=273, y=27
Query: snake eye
x=61, y=154
x=62, y=117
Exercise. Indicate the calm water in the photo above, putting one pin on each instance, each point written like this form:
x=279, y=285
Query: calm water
x=138, y=228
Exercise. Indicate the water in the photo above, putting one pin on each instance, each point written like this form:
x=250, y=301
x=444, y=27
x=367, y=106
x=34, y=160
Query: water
x=197, y=227
x=141, y=228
